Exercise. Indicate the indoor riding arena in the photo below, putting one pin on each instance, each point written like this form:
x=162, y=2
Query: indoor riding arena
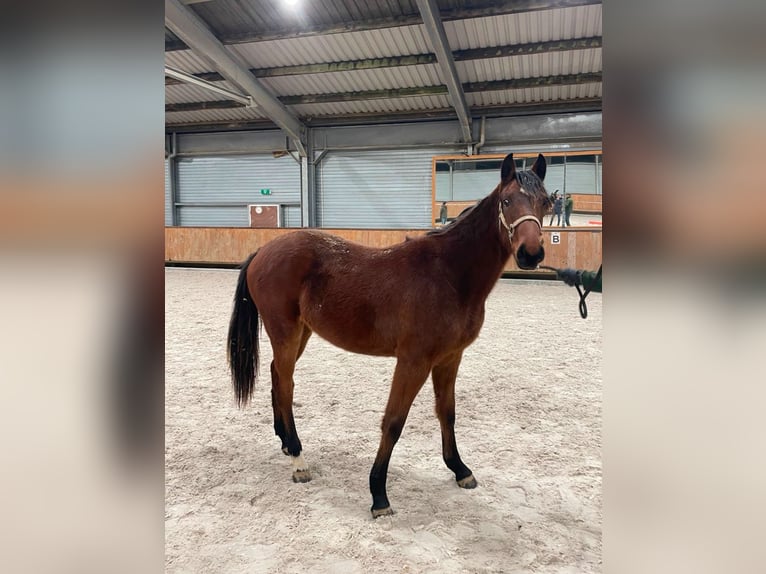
x=369, y=144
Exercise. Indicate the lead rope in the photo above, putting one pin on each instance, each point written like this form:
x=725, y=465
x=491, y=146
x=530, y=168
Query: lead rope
x=582, y=305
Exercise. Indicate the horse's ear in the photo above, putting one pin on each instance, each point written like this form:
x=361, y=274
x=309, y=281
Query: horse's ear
x=540, y=167
x=508, y=169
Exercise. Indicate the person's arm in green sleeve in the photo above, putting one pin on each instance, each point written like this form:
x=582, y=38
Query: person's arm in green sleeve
x=591, y=280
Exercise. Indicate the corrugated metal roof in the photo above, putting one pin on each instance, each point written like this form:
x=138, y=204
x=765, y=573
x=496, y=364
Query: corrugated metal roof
x=372, y=106
x=227, y=17
x=230, y=18
x=386, y=42
x=558, y=24
x=200, y=116
x=265, y=16
x=535, y=65
x=527, y=95
x=181, y=93
x=357, y=80
x=187, y=61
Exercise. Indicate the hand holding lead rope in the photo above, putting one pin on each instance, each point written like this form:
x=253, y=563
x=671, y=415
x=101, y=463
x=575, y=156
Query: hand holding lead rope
x=576, y=278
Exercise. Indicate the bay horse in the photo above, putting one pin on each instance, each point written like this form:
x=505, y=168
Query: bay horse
x=421, y=301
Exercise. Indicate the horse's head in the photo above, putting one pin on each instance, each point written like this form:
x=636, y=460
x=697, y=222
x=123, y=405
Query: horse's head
x=522, y=204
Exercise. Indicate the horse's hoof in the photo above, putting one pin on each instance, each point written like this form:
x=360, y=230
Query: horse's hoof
x=377, y=512
x=467, y=482
x=301, y=475
x=284, y=451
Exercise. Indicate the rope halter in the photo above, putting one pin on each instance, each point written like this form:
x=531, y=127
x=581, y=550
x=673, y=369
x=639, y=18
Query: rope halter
x=512, y=227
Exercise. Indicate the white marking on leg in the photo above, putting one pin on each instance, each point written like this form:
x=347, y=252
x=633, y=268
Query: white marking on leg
x=299, y=463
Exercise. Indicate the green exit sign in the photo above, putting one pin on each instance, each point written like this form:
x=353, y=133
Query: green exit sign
x=265, y=192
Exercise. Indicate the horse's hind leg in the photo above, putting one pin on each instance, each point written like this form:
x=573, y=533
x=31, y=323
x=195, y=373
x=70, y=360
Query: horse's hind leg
x=287, y=350
x=279, y=425
x=443, y=376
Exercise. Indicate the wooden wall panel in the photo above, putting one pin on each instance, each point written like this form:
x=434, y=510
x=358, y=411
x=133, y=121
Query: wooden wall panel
x=578, y=247
x=454, y=208
x=587, y=203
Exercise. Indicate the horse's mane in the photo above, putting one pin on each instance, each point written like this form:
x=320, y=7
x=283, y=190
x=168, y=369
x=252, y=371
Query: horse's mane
x=444, y=228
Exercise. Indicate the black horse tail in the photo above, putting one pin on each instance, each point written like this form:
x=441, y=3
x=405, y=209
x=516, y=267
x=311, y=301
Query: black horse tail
x=243, y=339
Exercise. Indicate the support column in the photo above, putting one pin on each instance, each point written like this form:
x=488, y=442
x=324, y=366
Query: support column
x=305, y=193
x=308, y=184
x=173, y=177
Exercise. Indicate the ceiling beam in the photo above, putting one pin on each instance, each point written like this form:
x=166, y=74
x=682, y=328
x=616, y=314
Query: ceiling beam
x=345, y=66
x=199, y=106
x=414, y=59
x=487, y=9
x=185, y=24
x=528, y=49
x=432, y=23
x=538, y=82
x=503, y=110
x=494, y=85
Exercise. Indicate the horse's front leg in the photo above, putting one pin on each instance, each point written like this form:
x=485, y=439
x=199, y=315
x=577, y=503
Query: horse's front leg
x=443, y=376
x=409, y=377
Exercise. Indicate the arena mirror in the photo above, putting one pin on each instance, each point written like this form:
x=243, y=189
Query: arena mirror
x=460, y=181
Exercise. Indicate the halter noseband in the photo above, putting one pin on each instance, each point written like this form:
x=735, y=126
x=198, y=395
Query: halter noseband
x=512, y=227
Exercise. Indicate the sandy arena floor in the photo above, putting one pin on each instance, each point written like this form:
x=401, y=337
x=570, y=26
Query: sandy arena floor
x=528, y=425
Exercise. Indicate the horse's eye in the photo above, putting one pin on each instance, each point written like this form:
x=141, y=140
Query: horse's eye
x=506, y=202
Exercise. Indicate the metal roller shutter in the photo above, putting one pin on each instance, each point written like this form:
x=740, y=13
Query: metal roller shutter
x=376, y=189
x=581, y=176
x=168, y=197
x=192, y=216
x=220, y=188
x=291, y=216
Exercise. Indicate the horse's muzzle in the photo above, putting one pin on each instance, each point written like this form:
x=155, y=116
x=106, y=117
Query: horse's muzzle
x=526, y=260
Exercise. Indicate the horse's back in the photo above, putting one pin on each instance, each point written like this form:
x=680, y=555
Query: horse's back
x=352, y=295
x=304, y=251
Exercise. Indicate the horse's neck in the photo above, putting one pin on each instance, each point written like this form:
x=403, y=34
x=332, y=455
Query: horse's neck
x=476, y=251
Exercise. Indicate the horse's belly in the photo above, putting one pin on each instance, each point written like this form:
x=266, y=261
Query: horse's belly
x=354, y=332
x=352, y=341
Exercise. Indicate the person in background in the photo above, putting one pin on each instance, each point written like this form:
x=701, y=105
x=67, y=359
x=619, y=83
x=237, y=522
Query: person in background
x=568, y=206
x=556, y=198
x=443, y=213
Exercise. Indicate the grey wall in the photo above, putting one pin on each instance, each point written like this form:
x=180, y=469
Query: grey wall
x=216, y=190
x=369, y=176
